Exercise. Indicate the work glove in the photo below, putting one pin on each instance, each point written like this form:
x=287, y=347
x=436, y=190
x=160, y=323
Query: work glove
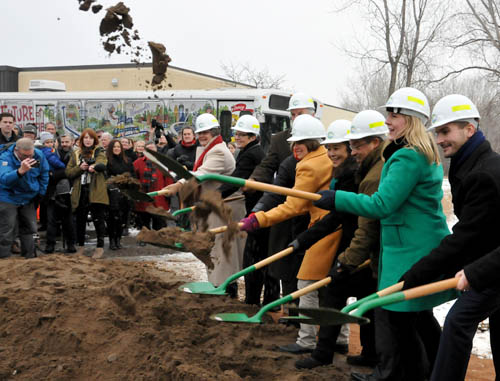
x=327, y=200
x=250, y=223
x=295, y=244
x=341, y=272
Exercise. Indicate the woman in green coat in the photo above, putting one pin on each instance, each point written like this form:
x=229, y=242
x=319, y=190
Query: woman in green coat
x=408, y=205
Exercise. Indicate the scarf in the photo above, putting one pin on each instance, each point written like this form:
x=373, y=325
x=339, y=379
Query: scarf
x=466, y=150
x=199, y=162
x=184, y=144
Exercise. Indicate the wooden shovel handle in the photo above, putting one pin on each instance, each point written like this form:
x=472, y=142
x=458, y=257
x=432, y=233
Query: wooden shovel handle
x=221, y=229
x=311, y=287
x=282, y=190
x=274, y=257
x=430, y=288
x=389, y=290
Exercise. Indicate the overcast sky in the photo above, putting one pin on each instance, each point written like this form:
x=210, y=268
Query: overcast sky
x=295, y=38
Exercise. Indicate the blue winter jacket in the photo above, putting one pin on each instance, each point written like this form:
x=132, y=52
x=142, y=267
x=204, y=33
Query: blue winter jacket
x=20, y=190
x=52, y=158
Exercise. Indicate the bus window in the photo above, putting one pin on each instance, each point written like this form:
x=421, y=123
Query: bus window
x=225, y=120
x=278, y=102
x=272, y=125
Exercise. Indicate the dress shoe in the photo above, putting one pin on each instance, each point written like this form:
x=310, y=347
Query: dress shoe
x=362, y=360
x=341, y=348
x=363, y=377
x=49, y=249
x=294, y=348
x=70, y=249
x=309, y=363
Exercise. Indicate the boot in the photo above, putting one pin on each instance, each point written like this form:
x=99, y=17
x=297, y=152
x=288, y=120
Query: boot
x=70, y=248
x=49, y=249
x=98, y=253
x=118, y=242
x=112, y=243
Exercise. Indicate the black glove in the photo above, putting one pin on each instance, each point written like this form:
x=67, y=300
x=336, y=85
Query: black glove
x=341, y=272
x=411, y=280
x=295, y=244
x=327, y=200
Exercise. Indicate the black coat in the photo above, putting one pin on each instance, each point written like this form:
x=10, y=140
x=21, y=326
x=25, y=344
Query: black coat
x=3, y=140
x=279, y=150
x=185, y=155
x=475, y=189
x=346, y=181
x=248, y=158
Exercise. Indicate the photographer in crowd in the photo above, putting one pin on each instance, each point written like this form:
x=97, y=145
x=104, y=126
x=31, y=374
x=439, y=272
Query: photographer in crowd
x=86, y=170
x=24, y=174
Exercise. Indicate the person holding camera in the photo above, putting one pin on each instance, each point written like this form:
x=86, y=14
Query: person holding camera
x=185, y=151
x=162, y=140
x=24, y=175
x=86, y=169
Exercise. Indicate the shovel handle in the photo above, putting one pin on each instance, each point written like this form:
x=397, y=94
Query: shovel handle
x=281, y=190
x=163, y=192
x=311, y=287
x=191, y=208
x=273, y=258
x=222, y=229
x=386, y=291
x=412, y=293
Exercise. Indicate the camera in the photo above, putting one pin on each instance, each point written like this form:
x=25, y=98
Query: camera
x=36, y=164
x=89, y=161
x=158, y=128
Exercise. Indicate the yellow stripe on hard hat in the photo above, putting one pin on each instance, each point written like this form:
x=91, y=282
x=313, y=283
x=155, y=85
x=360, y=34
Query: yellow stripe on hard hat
x=310, y=100
x=256, y=126
x=376, y=124
x=460, y=108
x=416, y=100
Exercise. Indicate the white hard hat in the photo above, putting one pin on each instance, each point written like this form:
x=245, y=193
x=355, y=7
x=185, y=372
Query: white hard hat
x=248, y=124
x=409, y=101
x=305, y=127
x=453, y=108
x=205, y=122
x=338, y=132
x=300, y=100
x=367, y=123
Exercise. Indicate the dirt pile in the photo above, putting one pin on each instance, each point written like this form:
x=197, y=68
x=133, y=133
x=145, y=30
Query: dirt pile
x=73, y=318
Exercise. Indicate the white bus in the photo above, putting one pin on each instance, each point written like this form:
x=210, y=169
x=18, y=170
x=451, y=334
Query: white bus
x=129, y=113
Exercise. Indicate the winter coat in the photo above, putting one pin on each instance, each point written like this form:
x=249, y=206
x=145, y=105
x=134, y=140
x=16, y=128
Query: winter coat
x=98, y=193
x=13, y=138
x=152, y=179
x=185, y=155
x=131, y=154
x=52, y=158
x=408, y=204
x=279, y=150
x=220, y=160
x=20, y=190
x=475, y=188
x=117, y=166
x=313, y=173
x=344, y=179
x=281, y=234
x=248, y=158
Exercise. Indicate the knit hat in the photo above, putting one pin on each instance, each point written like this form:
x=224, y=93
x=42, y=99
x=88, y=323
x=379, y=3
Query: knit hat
x=45, y=135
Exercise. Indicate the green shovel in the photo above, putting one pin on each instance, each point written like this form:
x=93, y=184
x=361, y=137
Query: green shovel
x=191, y=208
x=390, y=295
x=173, y=165
x=209, y=288
x=257, y=318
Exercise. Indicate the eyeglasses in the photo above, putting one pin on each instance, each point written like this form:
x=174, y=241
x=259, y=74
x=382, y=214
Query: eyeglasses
x=357, y=146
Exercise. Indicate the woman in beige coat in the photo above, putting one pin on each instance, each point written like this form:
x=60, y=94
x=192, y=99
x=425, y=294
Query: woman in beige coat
x=312, y=174
x=213, y=156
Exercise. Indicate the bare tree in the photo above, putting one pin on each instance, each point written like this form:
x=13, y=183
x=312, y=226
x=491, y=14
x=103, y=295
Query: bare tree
x=479, y=40
x=366, y=91
x=245, y=73
x=402, y=38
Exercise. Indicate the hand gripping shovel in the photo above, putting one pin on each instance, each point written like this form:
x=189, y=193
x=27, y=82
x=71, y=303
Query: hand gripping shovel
x=182, y=172
x=257, y=318
x=390, y=295
x=209, y=288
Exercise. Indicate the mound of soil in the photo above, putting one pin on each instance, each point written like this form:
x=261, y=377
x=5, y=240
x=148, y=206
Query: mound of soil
x=74, y=318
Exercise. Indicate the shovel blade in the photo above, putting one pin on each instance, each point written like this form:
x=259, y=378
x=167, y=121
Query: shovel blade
x=202, y=288
x=325, y=316
x=236, y=318
x=137, y=196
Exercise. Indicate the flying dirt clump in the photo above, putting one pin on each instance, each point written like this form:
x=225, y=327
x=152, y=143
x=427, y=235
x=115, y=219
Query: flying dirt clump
x=160, y=63
x=198, y=243
x=124, y=181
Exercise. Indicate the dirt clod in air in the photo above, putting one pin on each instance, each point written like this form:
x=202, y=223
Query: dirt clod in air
x=198, y=243
x=160, y=62
x=85, y=5
x=160, y=212
x=124, y=181
x=96, y=8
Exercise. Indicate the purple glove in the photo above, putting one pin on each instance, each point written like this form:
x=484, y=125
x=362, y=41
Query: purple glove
x=250, y=223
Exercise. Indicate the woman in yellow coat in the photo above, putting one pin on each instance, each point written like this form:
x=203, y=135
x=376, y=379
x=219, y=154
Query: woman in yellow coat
x=312, y=174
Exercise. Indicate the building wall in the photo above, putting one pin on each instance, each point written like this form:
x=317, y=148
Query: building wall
x=331, y=113
x=129, y=78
